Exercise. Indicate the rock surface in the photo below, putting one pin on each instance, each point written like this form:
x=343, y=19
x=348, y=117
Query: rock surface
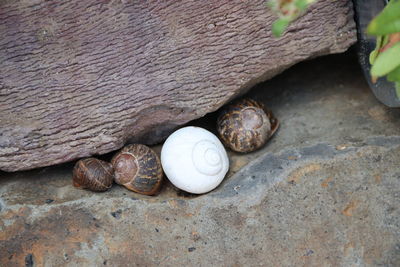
x=79, y=78
x=323, y=192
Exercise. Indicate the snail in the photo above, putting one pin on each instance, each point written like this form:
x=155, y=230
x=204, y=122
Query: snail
x=194, y=160
x=138, y=168
x=245, y=125
x=93, y=174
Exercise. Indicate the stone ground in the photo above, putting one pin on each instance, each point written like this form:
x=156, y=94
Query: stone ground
x=325, y=191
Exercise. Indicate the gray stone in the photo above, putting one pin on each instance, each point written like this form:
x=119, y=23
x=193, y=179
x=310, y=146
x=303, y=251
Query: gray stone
x=81, y=78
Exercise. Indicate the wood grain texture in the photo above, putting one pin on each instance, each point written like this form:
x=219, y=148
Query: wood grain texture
x=79, y=78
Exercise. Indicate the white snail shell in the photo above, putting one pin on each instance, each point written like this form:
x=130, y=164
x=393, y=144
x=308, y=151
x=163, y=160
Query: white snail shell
x=194, y=160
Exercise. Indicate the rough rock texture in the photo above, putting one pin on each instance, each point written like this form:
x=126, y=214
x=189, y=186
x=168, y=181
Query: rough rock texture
x=325, y=191
x=79, y=78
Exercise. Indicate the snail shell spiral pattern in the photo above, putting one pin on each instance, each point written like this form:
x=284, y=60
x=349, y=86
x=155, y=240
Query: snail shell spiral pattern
x=207, y=158
x=138, y=168
x=246, y=125
x=194, y=160
x=93, y=174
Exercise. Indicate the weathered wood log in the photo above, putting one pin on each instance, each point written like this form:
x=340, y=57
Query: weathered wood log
x=79, y=78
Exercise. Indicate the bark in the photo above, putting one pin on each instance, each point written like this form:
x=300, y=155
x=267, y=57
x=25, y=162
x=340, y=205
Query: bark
x=80, y=78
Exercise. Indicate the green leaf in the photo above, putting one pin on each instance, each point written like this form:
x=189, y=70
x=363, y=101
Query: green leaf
x=388, y=21
x=390, y=27
x=271, y=4
x=380, y=42
x=397, y=86
x=394, y=75
x=301, y=4
x=386, y=61
x=375, y=52
x=279, y=26
x=385, y=40
x=373, y=56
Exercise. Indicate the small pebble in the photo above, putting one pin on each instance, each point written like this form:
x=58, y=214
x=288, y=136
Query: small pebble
x=309, y=252
x=29, y=260
x=195, y=236
x=341, y=147
x=116, y=214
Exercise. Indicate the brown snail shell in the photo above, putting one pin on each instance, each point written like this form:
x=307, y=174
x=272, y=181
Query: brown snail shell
x=138, y=168
x=93, y=174
x=246, y=125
